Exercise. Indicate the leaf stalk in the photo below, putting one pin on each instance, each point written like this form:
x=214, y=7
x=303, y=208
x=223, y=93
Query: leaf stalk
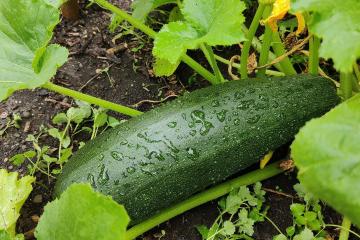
x=203, y=197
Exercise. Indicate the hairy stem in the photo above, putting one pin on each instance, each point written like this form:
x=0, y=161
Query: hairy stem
x=344, y=233
x=346, y=85
x=250, y=35
x=314, y=45
x=279, y=50
x=209, y=54
x=266, y=44
x=201, y=198
x=93, y=100
x=151, y=33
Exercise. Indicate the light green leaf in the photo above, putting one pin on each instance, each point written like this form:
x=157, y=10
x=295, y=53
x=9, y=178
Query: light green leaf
x=4, y=235
x=337, y=23
x=56, y=3
x=13, y=193
x=203, y=230
x=100, y=117
x=54, y=132
x=245, y=224
x=327, y=154
x=82, y=213
x=141, y=8
x=65, y=155
x=66, y=141
x=214, y=22
x=163, y=67
x=112, y=122
x=19, y=159
x=305, y=234
x=77, y=115
x=229, y=228
x=26, y=61
x=60, y=118
x=280, y=237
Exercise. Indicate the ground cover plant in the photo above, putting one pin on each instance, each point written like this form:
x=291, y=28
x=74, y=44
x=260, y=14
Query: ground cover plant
x=141, y=172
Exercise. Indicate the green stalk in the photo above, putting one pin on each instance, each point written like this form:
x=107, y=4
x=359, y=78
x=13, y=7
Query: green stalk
x=357, y=72
x=314, y=45
x=199, y=69
x=265, y=47
x=151, y=33
x=250, y=35
x=346, y=85
x=257, y=45
x=279, y=50
x=93, y=100
x=355, y=84
x=227, y=62
x=344, y=233
x=209, y=54
x=203, y=197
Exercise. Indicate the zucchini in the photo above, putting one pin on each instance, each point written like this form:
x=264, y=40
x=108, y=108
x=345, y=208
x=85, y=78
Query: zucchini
x=169, y=153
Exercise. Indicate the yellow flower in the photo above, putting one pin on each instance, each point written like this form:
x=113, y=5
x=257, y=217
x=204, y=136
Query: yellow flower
x=280, y=9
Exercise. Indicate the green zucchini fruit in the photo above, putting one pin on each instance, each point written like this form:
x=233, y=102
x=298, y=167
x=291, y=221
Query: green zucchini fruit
x=169, y=153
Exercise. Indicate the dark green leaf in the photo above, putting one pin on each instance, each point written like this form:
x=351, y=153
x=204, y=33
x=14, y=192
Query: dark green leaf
x=327, y=153
x=26, y=61
x=141, y=8
x=214, y=22
x=337, y=23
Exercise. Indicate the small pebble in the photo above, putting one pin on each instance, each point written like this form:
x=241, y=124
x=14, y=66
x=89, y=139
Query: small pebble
x=16, y=135
x=26, y=114
x=43, y=92
x=38, y=198
x=10, y=167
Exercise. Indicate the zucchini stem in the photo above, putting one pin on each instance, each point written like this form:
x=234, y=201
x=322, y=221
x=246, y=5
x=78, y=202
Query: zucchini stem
x=279, y=50
x=258, y=46
x=203, y=197
x=93, y=100
x=345, y=227
x=346, y=85
x=151, y=33
x=250, y=35
x=314, y=44
x=266, y=44
x=357, y=72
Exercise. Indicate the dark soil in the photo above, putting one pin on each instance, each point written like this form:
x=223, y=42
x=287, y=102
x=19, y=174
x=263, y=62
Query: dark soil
x=129, y=81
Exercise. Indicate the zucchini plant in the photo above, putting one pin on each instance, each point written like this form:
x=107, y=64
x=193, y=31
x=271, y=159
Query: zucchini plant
x=136, y=162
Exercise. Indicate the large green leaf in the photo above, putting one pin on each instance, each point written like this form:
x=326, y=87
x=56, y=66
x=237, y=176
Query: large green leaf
x=83, y=214
x=13, y=193
x=327, y=154
x=25, y=30
x=338, y=24
x=141, y=8
x=214, y=22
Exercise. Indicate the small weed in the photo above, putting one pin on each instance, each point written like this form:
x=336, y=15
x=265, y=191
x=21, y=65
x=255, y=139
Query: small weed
x=75, y=120
x=240, y=210
x=308, y=221
x=11, y=122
